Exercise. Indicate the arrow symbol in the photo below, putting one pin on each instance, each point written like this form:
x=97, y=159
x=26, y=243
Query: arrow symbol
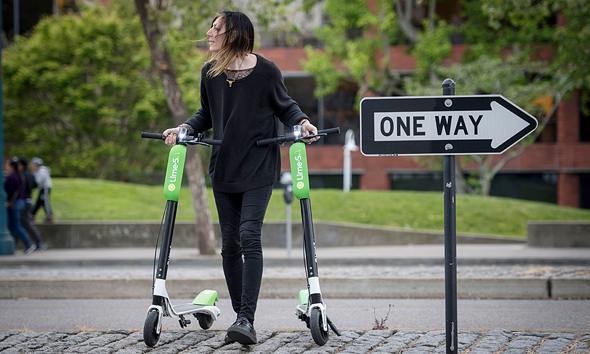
x=498, y=124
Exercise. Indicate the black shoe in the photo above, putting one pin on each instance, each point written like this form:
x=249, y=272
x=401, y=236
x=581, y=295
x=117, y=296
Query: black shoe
x=228, y=340
x=242, y=331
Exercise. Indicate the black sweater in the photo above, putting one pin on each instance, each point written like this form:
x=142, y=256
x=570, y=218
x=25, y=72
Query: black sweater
x=240, y=115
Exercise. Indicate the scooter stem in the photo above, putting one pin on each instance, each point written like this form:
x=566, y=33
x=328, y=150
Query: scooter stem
x=164, y=257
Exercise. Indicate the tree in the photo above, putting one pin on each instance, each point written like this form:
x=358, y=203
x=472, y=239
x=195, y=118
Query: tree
x=531, y=85
x=155, y=35
x=359, y=38
x=78, y=90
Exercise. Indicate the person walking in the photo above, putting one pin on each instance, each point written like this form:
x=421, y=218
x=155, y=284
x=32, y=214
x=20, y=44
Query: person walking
x=241, y=94
x=43, y=179
x=30, y=184
x=14, y=185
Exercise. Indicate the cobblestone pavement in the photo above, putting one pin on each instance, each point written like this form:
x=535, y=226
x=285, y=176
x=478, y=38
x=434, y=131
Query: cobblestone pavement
x=497, y=341
x=145, y=272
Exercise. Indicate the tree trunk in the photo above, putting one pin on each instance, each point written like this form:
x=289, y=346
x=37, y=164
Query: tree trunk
x=194, y=168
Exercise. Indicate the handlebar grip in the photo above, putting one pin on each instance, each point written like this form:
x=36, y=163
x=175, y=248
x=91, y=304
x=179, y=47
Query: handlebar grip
x=153, y=136
x=268, y=141
x=212, y=141
x=276, y=140
x=330, y=131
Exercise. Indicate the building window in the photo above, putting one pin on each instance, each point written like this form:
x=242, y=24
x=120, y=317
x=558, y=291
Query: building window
x=417, y=181
x=540, y=187
x=585, y=190
x=333, y=181
x=337, y=108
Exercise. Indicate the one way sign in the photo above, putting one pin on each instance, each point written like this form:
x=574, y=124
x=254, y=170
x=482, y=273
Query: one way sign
x=442, y=125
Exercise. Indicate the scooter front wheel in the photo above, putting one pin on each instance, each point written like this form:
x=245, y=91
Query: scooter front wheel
x=150, y=329
x=317, y=327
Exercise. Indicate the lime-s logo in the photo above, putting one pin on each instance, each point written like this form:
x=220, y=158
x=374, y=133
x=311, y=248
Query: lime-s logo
x=300, y=185
x=171, y=187
x=175, y=160
x=299, y=176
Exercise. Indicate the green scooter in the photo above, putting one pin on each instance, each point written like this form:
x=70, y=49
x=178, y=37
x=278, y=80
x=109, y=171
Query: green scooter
x=203, y=306
x=311, y=308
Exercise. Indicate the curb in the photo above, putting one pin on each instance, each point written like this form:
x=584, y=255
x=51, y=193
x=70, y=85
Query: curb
x=378, y=288
x=292, y=262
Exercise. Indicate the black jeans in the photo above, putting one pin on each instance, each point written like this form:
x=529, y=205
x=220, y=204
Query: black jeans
x=240, y=218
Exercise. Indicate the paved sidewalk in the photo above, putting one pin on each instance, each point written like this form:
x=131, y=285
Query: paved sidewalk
x=467, y=254
x=358, y=342
x=484, y=271
x=503, y=271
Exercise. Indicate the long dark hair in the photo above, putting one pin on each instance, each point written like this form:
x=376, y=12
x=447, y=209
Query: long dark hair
x=238, y=42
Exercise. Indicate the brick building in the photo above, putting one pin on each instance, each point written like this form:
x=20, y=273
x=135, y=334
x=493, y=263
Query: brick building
x=556, y=169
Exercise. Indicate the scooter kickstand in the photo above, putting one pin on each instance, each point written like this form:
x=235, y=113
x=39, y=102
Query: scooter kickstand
x=183, y=322
x=333, y=326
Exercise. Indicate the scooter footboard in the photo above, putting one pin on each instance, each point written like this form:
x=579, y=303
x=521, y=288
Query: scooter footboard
x=190, y=308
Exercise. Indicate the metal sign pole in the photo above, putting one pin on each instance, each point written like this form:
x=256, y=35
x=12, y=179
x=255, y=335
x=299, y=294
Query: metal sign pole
x=450, y=239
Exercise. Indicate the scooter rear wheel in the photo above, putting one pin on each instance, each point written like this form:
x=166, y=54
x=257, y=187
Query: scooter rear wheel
x=316, y=326
x=150, y=329
x=205, y=321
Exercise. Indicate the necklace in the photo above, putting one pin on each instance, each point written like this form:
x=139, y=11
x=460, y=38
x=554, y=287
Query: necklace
x=229, y=81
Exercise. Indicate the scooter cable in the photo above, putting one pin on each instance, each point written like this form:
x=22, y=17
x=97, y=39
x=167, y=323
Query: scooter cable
x=156, y=250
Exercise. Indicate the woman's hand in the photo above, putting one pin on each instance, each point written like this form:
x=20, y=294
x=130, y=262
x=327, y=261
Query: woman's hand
x=170, y=135
x=309, y=129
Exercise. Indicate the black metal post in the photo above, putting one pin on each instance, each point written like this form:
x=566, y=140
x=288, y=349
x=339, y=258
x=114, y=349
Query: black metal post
x=6, y=239
x=450, y=239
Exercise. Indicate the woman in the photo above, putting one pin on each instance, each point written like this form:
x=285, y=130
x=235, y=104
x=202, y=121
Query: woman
x=241, y=93
x=14, y=185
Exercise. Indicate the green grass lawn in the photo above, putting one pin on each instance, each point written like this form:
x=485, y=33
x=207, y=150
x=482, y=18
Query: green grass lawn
x=98, y=200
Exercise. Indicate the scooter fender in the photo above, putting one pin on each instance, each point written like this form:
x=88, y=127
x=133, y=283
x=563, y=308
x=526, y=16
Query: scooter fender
x=160, y=311
x=322, y=308
x=206, y=298
x=213, y=311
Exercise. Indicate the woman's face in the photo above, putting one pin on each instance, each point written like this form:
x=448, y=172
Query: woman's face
x=216, y=35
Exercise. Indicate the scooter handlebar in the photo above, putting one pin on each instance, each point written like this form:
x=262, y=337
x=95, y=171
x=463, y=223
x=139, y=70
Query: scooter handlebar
x=290, y=137
x=153, y=136
x=189, y=140
x=211, y=141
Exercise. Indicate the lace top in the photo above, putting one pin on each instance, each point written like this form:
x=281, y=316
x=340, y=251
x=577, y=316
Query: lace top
x=234, y=75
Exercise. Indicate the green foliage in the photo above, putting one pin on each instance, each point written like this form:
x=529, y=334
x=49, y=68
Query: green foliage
x=322, y=68
x=518, y=80
x=79, y=91
x=494, y=25
x=433, y=46
x=84, y=199
x=573, y=51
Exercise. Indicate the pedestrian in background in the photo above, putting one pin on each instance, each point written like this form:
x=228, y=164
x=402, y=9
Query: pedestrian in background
x=30, y=184
x=14, y=185
x=43, y=179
